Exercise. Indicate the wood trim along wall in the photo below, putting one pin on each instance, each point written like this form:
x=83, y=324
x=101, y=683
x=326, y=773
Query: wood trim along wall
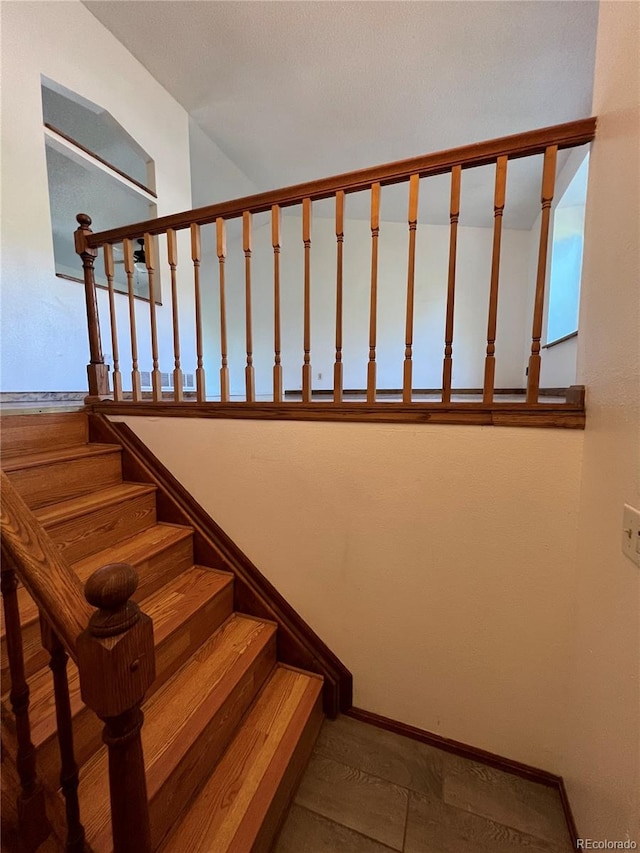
x=566, y=415
x=481, y=756
x=100, y=159
x=105, y=287
x=568, y=135
x=561, y=340
x=298, y=645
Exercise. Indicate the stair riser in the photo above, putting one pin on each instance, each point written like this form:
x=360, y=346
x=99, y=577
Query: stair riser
x=152, y=573
x=163, y=567
x=167, y=803
x=36, y=433
x=171, y=653
x=97, y=530
x=271, y=822
x=45, y=484
x=35, y=657
x=182, y=643
x=242, y=803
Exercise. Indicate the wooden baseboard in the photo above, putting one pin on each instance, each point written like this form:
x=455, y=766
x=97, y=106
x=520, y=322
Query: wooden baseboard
x=539, y=415
x=568, y=814
x=298, y=645
x=481, y=756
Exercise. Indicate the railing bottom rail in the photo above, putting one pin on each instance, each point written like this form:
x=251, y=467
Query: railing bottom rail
x=567, y=415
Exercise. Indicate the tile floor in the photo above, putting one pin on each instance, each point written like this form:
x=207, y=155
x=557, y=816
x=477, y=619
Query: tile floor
x=367, y=790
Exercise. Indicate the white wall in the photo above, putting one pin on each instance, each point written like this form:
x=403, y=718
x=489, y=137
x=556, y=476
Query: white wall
x=214, y=177
x=44, y=345
x=559, y=365
x=437, y=562
x=472, y=295
x=603, y=745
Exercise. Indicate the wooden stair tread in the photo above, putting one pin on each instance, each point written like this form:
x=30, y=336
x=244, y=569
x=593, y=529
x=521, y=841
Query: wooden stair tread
x=59, y=454
x=169, y=608
x=172, y=604
x=23, y=433
x=77, y=507
x=227, y=729
x=133, y=550
x=228, y=812
x=175, y=716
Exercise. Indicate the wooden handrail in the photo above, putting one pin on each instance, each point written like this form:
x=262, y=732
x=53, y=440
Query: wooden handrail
x=43, y=571
x=518, y=145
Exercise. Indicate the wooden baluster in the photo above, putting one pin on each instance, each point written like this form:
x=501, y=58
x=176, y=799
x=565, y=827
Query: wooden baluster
x=156, y=376
x=68, y=768
x=33, y=825
x=306, y=237
x=454, y=215
x=172, y=253
x=117, y=666
x=276, y=225
x=498, y=208
x=373, y=306
x=196, y=257
x=407, y=386
x=129, y=268
x=249, y=373
x=108, y=271
x=97, y=370
x=548, y=184
x=337, y=368
x=221, y=238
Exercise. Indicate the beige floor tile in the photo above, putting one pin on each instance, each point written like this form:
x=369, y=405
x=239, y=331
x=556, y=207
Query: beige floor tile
x=503, y=797
x=369, y=805
x=435, y=827
x=397, y=759
x=307, y=832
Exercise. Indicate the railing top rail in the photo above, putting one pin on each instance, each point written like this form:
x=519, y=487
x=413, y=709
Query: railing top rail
x=532, y=142
x=50, y=581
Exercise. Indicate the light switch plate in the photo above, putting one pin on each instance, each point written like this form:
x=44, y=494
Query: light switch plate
x=631, y=534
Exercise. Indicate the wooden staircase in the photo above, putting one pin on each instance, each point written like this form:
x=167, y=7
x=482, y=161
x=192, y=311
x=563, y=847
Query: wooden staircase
x=227, y=727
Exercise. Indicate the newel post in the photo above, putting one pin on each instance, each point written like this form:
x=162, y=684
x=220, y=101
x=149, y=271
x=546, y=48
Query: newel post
x=97, y=370
x=117, y=666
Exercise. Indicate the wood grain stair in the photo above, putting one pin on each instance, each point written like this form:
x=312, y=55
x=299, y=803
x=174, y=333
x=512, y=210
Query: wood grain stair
x=63, y=473
x=223, y=715
x=239, y=804
x=81, y=525
x=184, y=613
x=158, y=554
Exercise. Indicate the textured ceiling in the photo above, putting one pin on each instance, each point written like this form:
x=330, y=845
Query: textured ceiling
x=292, y=91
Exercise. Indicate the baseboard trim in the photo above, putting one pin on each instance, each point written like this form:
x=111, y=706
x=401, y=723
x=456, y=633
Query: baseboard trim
x=568, y=814
x=473, y=753
x=298, y=644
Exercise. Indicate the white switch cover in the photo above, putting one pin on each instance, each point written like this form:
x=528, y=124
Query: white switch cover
x=631, y=534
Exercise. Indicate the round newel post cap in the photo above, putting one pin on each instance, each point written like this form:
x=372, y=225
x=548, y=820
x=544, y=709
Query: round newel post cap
x=84, y=220
x=109, y=589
